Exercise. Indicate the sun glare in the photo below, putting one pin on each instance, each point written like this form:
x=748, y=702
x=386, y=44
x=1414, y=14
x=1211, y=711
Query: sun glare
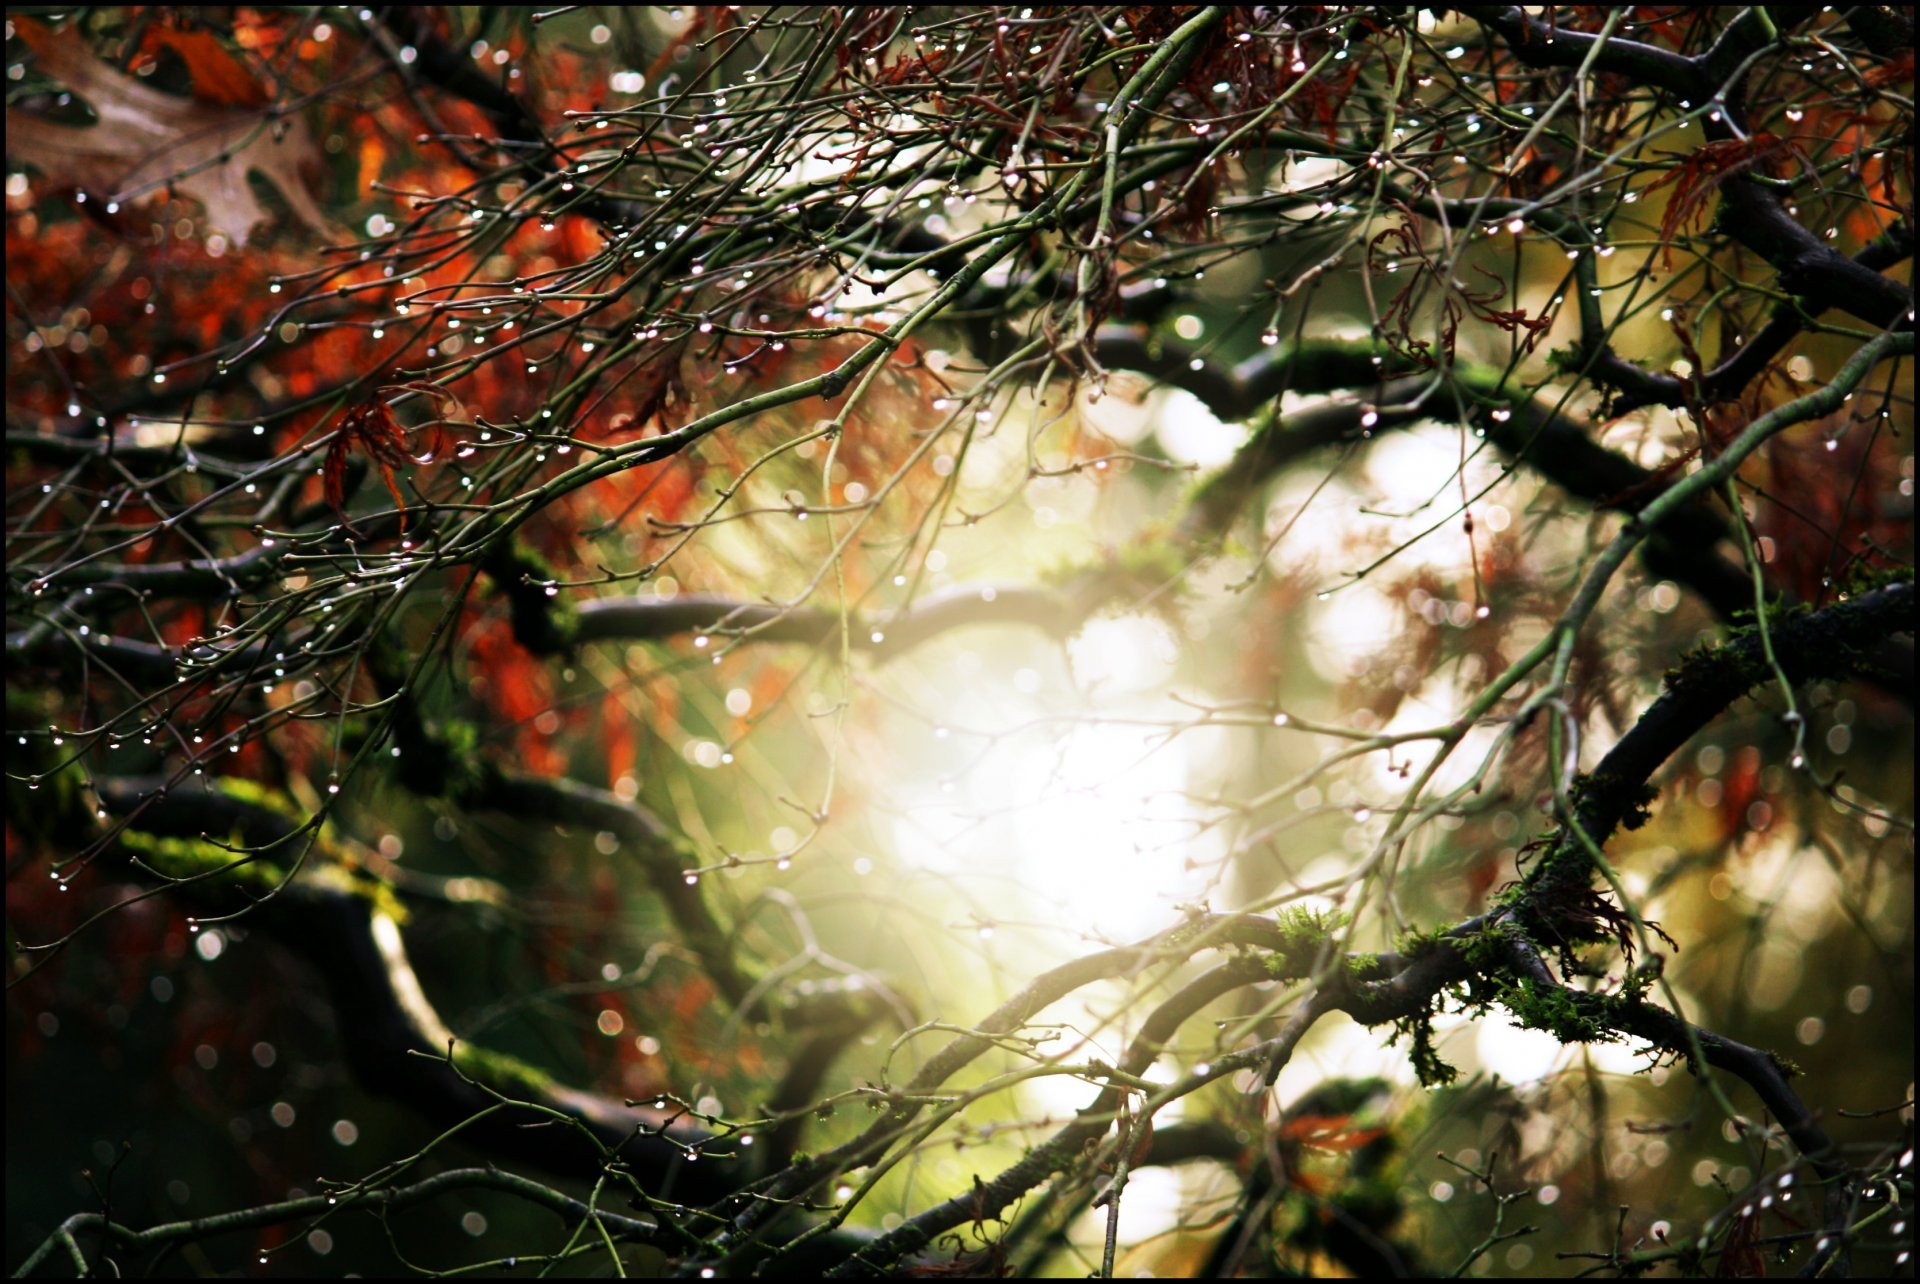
x=1057, y=797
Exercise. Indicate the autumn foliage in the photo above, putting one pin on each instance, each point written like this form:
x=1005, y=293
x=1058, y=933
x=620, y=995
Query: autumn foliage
x=968, y=640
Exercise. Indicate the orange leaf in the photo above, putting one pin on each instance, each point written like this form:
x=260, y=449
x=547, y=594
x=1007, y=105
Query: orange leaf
x=1329, y=1132
x=218, y=76
x=617, y=736
x=372, y=428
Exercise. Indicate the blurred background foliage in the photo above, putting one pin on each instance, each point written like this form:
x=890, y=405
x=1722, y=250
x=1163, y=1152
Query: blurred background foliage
x=935, y=826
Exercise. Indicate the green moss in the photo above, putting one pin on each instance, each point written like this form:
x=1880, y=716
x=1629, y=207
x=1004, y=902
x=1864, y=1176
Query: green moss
x=1632, y=799
x=505, y=1074
x=1486, y=948
x=1566, y=361
x=194, y=858
x=258, y=795
x=1417, y=942
x=1554, y=1010
x=543, y=625
x=1432, y=1070
x=185, y=859
x=460, y=771
x=1304, y=928
x=1151, y=562
x=358, y=882
x=1861, y=579
x=1710, y=667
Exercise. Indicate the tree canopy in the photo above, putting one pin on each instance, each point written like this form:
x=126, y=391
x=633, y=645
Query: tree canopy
x=984, y=640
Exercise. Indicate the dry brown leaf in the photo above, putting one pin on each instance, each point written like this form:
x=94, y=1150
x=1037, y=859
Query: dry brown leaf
x=145, y=141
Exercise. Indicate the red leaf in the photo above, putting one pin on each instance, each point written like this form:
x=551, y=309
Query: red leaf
x=1700, y=175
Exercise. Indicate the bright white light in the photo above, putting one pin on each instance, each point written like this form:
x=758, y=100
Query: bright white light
x=1515, y=1053
x=1121, y=412
x=1191, y=434
x=1340, y=1048
x=1351, y=624
x=1124, y=653
x=1151, y=1205
x=1085, y=828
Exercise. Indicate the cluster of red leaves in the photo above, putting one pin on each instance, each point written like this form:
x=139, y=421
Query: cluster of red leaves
x=1831, y=504
x=518, y=686
x=1698, y=176
x=371, y=427
x=1404, y=249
